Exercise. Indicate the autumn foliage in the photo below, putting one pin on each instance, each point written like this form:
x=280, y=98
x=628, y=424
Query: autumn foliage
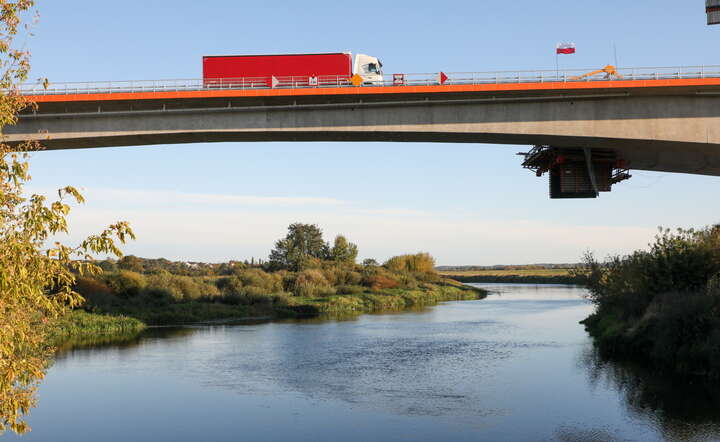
x=37, y=275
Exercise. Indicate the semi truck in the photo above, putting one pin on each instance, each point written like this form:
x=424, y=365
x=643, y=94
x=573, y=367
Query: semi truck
x=290, y=70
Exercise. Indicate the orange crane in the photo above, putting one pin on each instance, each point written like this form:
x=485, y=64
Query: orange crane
x=609, y=71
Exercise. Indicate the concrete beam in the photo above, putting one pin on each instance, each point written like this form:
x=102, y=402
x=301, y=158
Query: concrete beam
x=676, y=133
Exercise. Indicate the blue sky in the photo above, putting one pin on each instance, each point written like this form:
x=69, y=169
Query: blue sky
x=465, y=204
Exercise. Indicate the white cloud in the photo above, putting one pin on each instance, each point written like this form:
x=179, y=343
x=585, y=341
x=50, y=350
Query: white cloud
x=159, y=197
x=392, y=212
x=209, y=228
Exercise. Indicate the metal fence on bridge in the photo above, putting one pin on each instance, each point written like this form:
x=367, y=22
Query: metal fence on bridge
x=428, y=79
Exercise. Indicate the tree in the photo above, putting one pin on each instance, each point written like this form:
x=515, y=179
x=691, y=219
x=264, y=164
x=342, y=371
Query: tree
x=108, y=266
x=417, y=263
x=131, y=263
x=343, y=251
x=36, y=281
x=36, y=274
x=302, y=243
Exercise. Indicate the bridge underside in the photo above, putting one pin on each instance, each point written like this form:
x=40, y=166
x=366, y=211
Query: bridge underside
x=676, y=131
x=695, y=158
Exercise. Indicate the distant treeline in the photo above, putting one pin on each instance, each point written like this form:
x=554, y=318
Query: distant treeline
x=184, y=268
x=507, y=267
x=570, y=278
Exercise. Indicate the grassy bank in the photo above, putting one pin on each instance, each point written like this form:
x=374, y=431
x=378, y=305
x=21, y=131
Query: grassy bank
x=304, y=276
x=360, y=301
x=78, y=324
x=292, y=284
x=390, y=299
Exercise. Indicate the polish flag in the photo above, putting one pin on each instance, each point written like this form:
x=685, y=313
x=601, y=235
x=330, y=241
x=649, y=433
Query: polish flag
x=565, y=48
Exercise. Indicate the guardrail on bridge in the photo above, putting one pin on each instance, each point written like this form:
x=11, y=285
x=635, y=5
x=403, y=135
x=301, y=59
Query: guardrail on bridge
x=453, y=78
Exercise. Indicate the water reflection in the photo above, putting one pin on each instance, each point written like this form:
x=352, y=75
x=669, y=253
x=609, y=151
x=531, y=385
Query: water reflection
x=514, y=366
x=100, y=343
x=682, y=408
x=404, y=367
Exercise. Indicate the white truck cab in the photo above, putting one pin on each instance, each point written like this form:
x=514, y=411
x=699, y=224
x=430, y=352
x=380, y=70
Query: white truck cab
x=370, y=68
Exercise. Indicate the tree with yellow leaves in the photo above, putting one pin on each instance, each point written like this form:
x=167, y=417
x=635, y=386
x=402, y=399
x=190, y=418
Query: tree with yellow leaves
x=36, y=274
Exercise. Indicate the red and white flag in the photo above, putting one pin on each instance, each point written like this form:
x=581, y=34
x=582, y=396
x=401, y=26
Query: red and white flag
x=565, y=48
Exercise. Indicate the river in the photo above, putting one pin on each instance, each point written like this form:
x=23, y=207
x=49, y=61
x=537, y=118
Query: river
x=515, y=366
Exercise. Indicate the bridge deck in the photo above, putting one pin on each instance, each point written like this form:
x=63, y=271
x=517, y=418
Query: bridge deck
x=665, y=124
x=588, y=87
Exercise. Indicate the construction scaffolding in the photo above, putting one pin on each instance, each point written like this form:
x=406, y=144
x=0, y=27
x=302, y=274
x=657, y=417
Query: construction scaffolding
x=576, y=172
x=712, y=7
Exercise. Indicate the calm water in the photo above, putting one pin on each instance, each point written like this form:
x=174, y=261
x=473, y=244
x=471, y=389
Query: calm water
x=515, y=366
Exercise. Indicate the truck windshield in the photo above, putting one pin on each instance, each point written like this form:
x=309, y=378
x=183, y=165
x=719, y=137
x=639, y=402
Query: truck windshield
x=372, y=67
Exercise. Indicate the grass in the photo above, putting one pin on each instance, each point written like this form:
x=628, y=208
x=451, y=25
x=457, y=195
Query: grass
x=389, y=299
x=354, y=302
x=83, y=329
x=80, y=328
x=80, y=323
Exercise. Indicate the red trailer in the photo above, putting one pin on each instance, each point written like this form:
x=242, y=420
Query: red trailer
x=277, y=70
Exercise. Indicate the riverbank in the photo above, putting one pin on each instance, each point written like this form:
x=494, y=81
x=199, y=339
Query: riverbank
x=79, y=323
x=161, y=292
x=680, y=336
x=364, y=301
x=391, y=299
x=80, y=328
x=436, y=375
x=661, y=306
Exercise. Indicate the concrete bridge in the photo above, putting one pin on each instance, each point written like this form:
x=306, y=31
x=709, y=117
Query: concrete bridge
x=660, y=124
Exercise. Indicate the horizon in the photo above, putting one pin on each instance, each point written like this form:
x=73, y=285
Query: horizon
x=461, y=203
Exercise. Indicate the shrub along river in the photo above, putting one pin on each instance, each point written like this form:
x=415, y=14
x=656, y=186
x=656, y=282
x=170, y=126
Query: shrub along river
x=514, y=366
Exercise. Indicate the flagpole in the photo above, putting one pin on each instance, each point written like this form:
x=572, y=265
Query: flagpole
x=615, y=52
x=557, y=66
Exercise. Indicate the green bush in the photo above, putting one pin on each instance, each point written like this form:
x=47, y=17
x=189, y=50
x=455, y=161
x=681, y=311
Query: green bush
x=159, y=296
x=417, y=263
x=662, y=304
x=210, y=290
x=255, y=296
x=270, y=282
x=350, y=289
x=251, y=286
x=181, y=288
x=94, y=290
x=380, y=282
x=342, y=275
x=126, y=283
x=310, y=283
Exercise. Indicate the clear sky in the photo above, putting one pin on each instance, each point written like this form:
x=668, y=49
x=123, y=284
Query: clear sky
x=465, y=204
